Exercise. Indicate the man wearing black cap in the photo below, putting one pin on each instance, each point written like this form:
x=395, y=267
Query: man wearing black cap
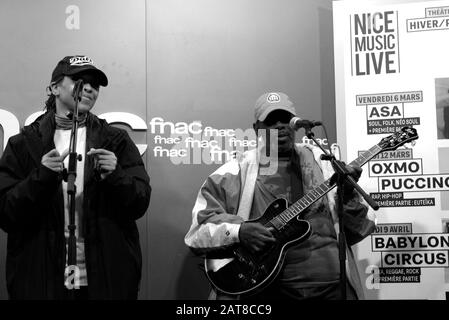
x=112, y=191
x=243, y=188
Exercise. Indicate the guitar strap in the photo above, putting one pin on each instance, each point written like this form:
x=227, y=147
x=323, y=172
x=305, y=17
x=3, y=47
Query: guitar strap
x=297, y=190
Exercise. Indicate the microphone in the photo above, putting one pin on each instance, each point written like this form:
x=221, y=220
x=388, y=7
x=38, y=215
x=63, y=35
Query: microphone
x=69, y=115
x=78, y=89
x=296, y=123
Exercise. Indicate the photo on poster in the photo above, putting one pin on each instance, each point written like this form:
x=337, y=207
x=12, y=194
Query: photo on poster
x=443, y=154
x=442, y=107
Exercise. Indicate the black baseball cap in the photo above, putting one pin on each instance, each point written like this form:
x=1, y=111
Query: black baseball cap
x=72, y=65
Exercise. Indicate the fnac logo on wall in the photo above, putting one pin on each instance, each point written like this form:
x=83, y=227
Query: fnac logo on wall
x=10, y=125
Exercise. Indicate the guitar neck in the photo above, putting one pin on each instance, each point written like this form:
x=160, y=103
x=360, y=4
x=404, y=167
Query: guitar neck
x=307, y=200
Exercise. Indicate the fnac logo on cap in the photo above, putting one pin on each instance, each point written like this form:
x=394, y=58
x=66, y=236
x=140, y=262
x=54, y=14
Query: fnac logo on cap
x=273, y=97
x=80, y=61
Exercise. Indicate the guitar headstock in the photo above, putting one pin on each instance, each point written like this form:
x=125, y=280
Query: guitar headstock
x=392, y=142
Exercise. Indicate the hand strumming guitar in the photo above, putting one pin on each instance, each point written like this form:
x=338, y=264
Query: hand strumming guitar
x=255, y=236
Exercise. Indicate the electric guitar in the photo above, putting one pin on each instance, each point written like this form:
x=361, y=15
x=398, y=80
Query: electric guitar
x=240, y=272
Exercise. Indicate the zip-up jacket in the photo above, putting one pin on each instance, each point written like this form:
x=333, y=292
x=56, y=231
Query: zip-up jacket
x=32, y=214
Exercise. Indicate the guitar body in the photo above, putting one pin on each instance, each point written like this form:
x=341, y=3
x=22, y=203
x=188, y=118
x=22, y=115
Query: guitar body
x=246, y=273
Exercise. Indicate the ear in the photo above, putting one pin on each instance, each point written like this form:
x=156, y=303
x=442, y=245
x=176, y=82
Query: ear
x=256, y=127
x=54, y=89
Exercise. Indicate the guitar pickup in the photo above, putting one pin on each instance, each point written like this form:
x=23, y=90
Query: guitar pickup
x=275, y=224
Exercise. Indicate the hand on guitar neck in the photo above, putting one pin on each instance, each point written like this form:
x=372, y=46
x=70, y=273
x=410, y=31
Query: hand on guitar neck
x=354, y=171
x=254, y=236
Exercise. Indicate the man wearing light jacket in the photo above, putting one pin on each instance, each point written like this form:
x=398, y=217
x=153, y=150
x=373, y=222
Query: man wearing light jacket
x=241, y=190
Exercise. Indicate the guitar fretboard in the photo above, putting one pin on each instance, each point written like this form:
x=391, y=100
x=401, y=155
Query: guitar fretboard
x=311, y=197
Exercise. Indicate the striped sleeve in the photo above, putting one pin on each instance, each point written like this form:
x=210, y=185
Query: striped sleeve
x=215, y=224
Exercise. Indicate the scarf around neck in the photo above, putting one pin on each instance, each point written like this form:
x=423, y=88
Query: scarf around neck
x=64, y=123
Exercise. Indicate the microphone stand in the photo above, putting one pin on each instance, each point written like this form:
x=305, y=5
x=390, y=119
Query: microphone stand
x=342, y=176
x=70, y=177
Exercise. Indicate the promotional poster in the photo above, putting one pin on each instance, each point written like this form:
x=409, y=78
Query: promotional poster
x=391, y=73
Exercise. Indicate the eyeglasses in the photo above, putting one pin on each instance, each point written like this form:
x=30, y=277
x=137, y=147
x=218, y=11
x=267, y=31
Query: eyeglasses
x=277, y=116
